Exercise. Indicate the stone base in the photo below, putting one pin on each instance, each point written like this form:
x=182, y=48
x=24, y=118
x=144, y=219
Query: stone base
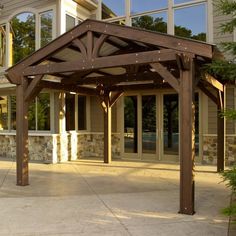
x=210, y=150
x=57, y=148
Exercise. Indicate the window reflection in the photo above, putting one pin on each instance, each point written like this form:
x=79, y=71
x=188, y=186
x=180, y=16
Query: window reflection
x=70, y=22
x=190, y=22
x=82, y=113
x=138, y=6
x=182, y=1
x=2, y=45
x=3, y=113
x=22, y=36
x=70, y=112
x=113, y=8
x=46, y=27
x=43, y=111
x=154, y=22
x=130, y=124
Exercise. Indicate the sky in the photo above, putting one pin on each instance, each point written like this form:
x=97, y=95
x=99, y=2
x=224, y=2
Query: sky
x=193, y=18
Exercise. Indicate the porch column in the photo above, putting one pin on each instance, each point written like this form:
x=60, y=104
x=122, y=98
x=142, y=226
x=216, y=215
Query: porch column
x=220, y=134
x=107, y=134
x=22, y=152
x=187, y=133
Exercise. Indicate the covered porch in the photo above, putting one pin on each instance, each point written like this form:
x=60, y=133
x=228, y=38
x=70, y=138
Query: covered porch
x=106, y=60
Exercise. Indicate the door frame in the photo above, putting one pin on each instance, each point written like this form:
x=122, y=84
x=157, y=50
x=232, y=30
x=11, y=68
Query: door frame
x=159, y=156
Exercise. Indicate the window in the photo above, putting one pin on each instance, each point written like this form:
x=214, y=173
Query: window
x=182, y=1
x=190, y=22
x=22, y=36
x=113, y=8
x=2, y=45
x=70, y=22
x=82, y=113
x=38, y=113
x=46, y=19
x=154, y=22
x=70, y=112
x=3, y=113
x=138, y=6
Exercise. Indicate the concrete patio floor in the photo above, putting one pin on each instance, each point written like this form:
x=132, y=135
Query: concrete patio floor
x=87, y=197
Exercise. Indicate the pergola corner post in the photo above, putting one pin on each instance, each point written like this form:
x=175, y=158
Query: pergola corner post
x=107, y=133
x=22, y=152
x=187, y=133
x=220, y=133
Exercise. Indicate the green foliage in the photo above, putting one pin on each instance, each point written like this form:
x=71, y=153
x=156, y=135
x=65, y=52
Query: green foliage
x=157, y=24
x=229, y=176
x=230, y=211
x=23, y=31
x=227, y=7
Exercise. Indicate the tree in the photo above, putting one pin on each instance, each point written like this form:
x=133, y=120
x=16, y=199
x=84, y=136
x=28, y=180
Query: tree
x=158, y=24
x=23, y=32
x=221, y=68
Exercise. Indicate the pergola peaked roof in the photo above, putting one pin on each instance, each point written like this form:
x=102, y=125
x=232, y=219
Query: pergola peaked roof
x=105, y=59
x=93, y=52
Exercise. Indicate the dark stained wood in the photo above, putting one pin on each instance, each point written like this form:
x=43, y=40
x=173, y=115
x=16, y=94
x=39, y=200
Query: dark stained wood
x=90, y=43
x=153, y=38
x=98, y=45
x=115, y=96
x=68, y=88
x=30, y=91
x=50, y=49
x=116, y=79
x=22, y=153
x=208, y=92
x=220, y=135
x=81, y=47
x=187, y=132
x=166, y=75
x=102, y=62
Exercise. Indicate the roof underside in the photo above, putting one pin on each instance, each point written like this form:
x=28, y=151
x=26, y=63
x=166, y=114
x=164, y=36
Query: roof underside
x=118, y=57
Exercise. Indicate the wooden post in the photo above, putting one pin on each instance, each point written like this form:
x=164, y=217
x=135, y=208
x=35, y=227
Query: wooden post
x=22, y=155
x=187, y=133
x=220, y=136
x=107, y=133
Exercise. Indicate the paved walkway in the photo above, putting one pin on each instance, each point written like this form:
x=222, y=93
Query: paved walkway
x=124, y=198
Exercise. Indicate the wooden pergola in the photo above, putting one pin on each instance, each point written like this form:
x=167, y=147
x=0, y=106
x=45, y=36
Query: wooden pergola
x=105, y=60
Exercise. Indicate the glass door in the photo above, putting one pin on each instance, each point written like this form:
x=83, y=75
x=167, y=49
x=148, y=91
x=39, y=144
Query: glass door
x=170, y=126
x=140, y=127
x=149, y=126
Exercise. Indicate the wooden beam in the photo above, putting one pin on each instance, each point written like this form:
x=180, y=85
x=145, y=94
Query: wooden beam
x=166, y=75
x=51, y=48
x=153, y=38
x=115, y=97
x=68, y=88
x=32, y=87
x=220, y=134
x=98, y=45
x=105, y=102
x=22, y=152
x=90, y=43
x=187, y=140
x=102, y=62
x=116, y=79
x=207, y=92
x=214, y=82
x=78, y=43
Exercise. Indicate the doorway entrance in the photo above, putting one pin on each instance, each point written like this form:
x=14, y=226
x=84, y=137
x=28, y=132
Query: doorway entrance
x=151, y=127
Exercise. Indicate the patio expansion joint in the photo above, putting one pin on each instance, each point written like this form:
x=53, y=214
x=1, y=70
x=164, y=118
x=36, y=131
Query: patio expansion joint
x=101, y=200
x=6, y=174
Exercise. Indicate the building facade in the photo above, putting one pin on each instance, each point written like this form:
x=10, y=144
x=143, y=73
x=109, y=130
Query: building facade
x=145, y=125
